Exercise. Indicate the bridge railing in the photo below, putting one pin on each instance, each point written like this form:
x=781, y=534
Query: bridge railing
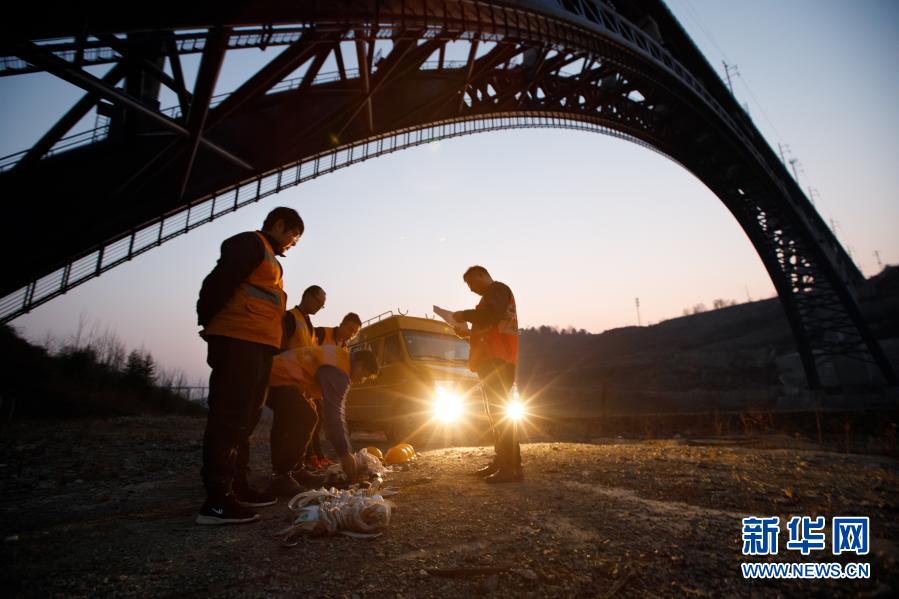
x=92, y=51
x=83, y=138
x=156, y=232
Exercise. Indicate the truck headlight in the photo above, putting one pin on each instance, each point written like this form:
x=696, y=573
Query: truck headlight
x=447, y=404
x=515, y=410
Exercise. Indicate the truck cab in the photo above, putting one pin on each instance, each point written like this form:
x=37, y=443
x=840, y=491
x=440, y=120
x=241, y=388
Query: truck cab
x=424, y=387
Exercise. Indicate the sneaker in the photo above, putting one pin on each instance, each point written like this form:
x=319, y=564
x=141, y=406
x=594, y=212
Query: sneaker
x=250, y=497
x=307, y=479
x=225, y=511
x=487, y=470
x=283, y=485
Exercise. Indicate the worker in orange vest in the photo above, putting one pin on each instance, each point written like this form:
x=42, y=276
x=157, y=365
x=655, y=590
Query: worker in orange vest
x=326, y=372
x=240, y=308
x=314, y=458
x=494, y=356
x=288, y=405
x=298, y=329
x=340, y=335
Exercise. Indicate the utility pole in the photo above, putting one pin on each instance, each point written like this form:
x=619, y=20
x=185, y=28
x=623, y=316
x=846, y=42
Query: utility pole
x=639, y=322
x=793, y=162
x=780, y=148
x=877, y=257
x=728, y=69
x=748, y=297
x=812, y=193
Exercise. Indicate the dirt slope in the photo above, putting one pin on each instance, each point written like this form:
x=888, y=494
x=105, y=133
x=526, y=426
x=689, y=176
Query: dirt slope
x=106, y=507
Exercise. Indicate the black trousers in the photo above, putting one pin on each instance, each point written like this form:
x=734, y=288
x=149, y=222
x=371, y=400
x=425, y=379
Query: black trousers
x=497, y=378
x=237, y=387
x=315, y=441
x=293, y=423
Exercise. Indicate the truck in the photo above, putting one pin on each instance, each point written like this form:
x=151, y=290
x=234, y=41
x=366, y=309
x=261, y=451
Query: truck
x=424, y=388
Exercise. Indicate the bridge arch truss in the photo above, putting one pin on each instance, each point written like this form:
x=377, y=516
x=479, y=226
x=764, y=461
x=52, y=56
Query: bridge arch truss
x=145, y=175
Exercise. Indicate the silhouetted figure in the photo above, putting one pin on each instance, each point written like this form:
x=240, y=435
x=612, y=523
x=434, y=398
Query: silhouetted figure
x=241, y=306
x=493, y=356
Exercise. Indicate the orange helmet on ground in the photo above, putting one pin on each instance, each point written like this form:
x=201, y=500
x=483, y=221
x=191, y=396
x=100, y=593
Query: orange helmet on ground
x=396, y=455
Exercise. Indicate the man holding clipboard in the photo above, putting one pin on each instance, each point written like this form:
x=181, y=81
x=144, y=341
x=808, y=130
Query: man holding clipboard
x=493, y=356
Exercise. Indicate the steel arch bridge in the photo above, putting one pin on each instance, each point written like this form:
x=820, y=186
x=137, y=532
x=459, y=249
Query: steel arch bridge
x=146, y=174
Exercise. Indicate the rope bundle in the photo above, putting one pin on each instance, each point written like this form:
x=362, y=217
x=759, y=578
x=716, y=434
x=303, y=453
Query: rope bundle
x=359, y=513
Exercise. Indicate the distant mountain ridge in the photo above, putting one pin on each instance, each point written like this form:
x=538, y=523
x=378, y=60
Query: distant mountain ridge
x=737, y=355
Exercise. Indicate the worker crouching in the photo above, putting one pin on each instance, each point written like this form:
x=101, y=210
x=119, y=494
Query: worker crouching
x=325, y=372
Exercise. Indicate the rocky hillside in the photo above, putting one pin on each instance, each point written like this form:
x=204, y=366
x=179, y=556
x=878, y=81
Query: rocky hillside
x=733, y=357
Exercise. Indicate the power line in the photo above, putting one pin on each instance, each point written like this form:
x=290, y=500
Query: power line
x=702, y=27
x=761, y=109
x=694, y=15
x=730, y=71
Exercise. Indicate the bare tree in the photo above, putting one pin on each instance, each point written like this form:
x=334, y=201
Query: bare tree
x=75, y=339
x=51, y=343
x=723, y=303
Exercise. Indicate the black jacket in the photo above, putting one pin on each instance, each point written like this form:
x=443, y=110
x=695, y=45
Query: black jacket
x=496, y=302
x=241, y=254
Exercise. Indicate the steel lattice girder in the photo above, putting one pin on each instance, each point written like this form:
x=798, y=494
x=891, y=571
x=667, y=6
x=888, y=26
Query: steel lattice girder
x=640, y=77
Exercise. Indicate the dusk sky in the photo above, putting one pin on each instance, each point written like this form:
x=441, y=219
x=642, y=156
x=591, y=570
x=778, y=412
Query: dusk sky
x=578, y=224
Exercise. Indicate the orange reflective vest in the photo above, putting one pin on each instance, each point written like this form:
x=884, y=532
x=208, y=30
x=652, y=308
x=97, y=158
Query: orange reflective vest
x=297, y=367
x=496, y=341
x=329, y=337
x=255, y=310
x=302, y=336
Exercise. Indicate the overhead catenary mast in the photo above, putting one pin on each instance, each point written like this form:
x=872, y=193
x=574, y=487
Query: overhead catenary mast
x=812, y=194
x=728, y=70
x=780, y=148
x=793, y=162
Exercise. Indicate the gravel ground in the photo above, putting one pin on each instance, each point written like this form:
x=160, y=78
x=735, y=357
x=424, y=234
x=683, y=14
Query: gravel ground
x=105, y=507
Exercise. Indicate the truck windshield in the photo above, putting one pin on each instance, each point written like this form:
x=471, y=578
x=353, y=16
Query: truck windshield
x=429, y=346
